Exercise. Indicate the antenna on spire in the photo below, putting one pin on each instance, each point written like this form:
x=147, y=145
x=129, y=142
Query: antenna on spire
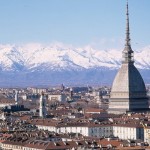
x=127, y=27
x=127, y=52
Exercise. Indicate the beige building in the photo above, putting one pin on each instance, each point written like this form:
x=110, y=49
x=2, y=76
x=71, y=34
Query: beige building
x=6, y=102
x=57, y=97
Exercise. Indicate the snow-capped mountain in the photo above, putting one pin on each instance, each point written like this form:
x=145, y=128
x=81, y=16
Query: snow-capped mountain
x=33, y=56
x=30, y=60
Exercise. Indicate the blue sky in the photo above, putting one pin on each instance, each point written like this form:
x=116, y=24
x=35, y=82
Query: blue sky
x=100, y=23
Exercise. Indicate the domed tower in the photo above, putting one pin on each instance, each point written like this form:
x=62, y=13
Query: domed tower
x=128, y=93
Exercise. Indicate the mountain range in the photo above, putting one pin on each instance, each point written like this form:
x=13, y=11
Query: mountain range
x=45, y=65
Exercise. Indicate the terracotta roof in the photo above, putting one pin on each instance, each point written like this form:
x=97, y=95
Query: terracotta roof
x=7, y=101
x=76, y=123
x=15, y=141
x=114, y=143
x=133, y=148
x=96, y=110
x=132, y=124
x=56, y=145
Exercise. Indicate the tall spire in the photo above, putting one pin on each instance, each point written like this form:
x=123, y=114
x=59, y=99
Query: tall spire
x=127, y=52
x=127, y=27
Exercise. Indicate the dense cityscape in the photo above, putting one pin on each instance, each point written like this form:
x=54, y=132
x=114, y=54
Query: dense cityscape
x=79, y=117
x=68, y=118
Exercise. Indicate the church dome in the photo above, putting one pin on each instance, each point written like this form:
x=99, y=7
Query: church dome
x=128, y=79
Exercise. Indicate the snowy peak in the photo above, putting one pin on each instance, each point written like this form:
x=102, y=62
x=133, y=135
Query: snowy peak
x=58, y=56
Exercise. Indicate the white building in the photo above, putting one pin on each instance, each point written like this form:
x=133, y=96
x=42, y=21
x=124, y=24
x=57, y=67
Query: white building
x=38, y=90
x=24, y=96
x=84, y=128
x=123, y=131
x=57, y=97
x=128, y=131
x=42, y=109
x=16, y=97
x=2, y=116
x=146, y=133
